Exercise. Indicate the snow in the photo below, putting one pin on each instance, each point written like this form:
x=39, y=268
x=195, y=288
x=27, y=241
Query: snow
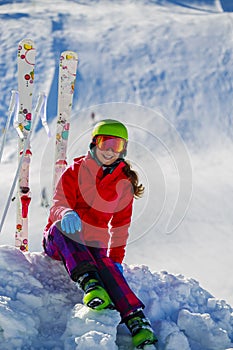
x=164, y=67
x=41, y=308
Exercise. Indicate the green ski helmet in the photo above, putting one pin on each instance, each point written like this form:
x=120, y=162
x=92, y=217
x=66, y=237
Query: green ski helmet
x=110, y=127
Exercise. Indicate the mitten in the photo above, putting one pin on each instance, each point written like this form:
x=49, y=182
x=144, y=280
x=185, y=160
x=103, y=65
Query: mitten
x=120, y=267
x=71, y=222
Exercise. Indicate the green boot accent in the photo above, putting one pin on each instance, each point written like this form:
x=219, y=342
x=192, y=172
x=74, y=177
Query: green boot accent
x=140, y=328
x=96, y=297
x=144, y=337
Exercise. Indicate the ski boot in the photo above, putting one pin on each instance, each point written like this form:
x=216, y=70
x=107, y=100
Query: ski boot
x=140, y=328
x=95, y=295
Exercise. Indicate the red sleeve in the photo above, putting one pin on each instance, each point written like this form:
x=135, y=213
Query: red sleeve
x=120, y=224
x=65, y=194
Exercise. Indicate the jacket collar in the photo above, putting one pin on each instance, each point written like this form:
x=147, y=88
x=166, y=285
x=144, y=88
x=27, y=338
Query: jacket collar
x=104, y=170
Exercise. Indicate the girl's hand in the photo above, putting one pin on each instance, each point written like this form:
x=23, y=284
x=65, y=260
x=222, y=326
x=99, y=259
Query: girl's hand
x=120, y=267
x=71, y=222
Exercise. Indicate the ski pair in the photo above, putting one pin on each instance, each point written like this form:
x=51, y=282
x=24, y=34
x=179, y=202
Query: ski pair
x=66, y=83
x=24, y=122
x=97, y=298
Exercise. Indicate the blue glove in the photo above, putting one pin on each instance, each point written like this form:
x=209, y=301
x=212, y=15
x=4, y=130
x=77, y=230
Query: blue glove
x=120, y=267
x=71, y=222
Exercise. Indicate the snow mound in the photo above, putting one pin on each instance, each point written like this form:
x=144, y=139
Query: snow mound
x=41, y=308
x=91, y=330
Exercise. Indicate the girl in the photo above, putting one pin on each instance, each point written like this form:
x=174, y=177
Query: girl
x=88, y=226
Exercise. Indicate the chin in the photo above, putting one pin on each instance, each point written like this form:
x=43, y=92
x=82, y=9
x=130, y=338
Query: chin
x=108, y=161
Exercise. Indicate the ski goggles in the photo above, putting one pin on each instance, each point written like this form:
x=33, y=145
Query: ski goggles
x=104, y=143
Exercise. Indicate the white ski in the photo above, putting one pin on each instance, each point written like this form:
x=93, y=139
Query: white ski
x=26, y=63
x=38, y=110
x=66, y=84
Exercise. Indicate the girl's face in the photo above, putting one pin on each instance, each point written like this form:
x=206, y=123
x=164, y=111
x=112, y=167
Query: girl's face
x=106, y=157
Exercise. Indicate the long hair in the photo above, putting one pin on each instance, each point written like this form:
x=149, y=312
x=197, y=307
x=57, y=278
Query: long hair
x=138, y=189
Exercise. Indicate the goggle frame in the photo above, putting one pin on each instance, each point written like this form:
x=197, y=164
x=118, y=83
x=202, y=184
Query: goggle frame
x=105, y=142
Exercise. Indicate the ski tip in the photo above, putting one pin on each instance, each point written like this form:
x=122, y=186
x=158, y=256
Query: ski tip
x=27, y=43
x=69, y=55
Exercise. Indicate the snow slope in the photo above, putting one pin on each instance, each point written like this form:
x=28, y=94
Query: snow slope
x=42, y=309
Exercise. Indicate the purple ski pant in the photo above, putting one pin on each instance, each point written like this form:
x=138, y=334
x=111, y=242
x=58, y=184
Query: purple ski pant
x=75, y=254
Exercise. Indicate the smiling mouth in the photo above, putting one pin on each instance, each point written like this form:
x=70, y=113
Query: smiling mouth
x=107, y=157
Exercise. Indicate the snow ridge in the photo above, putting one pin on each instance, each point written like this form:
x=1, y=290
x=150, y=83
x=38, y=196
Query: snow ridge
x=42, y=309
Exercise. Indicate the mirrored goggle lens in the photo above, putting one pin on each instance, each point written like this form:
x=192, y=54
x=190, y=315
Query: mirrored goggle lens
x=115, y=143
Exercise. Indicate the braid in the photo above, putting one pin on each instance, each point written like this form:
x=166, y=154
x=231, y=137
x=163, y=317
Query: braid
x=138, y=190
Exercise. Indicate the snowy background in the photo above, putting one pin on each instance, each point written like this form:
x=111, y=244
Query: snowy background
x=165, y=69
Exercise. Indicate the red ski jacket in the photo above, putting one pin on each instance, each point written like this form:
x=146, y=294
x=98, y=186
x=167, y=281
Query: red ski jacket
x=104, y=203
